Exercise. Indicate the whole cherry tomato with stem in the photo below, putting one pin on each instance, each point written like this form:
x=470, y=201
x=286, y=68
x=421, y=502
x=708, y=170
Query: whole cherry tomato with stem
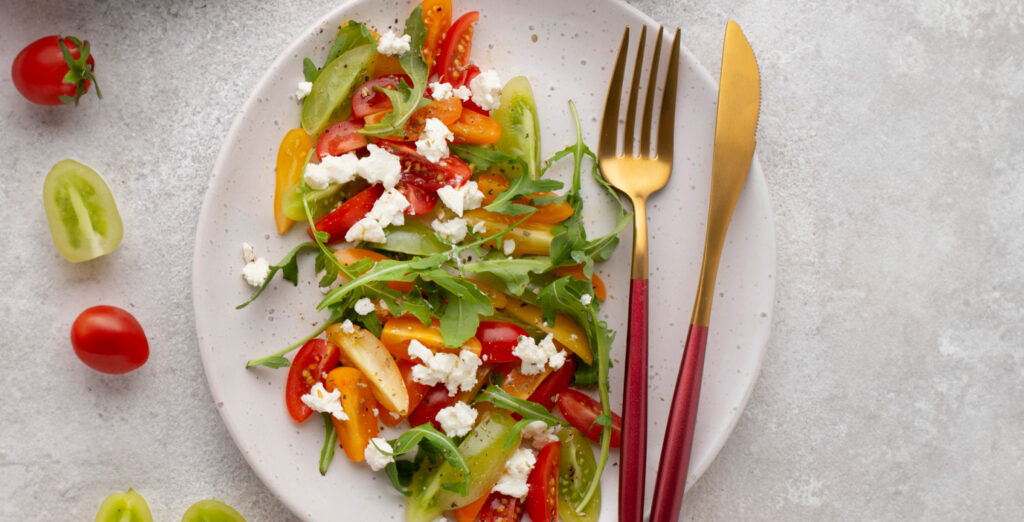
x=55, y=70
x=108, y=339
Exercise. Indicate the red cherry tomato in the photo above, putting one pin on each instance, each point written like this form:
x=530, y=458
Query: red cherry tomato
x=581, y=411
x=498, y=339
x=421, y=172
x=340, y=138
x=542, y=500
x=420, y=201
x=43, y=75
x=547, y=393
x=501, y=508
x=337, y=223
x=109, y=340
x=453, y=60
x=368, y=100
x=314, y=360
x=434, y=400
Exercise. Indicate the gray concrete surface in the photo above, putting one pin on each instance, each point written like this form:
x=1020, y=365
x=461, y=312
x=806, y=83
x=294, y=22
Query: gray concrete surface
x=893, y=388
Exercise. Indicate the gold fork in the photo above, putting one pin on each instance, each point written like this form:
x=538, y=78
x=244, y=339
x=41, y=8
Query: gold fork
x=637, y=175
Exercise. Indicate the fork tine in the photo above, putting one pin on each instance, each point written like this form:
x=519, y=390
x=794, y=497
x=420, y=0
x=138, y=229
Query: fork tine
x=667, y=119
x=610, y=123
x=634, y=91
x=648, y=123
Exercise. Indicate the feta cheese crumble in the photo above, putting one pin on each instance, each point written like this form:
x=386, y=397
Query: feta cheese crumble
x=364, y=306
x=256, y=270
x=586, y=299
x=517, y=470
x=393, y=45
x=456, y=372
x=373, y=455
x=366, y=229
x=508, y=246
x=442, y=91
x=486, y=88
x=540, y=434
x=348, y=327
x=332, y=169
x=480, y=227
x=303, y=89
x=536, y=356
x=320, y=400
x=453, y=230
x=389, y=209
x=459, y=200
x=433, y=141
x=456, y=420
x=381, y=167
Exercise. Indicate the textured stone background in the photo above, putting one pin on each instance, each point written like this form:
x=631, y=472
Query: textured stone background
x=891, y=135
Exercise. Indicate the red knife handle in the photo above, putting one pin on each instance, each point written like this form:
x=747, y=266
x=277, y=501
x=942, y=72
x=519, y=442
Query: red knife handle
x=633, y=454
x=675, y=453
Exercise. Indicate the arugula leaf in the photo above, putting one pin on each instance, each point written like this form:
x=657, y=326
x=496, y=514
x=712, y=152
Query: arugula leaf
x=405, y=99
x=481, y=159
x=513, y=272
x=528, y=409
x=289, y=268
x=400, y=473
x=466, y=303
x=407, y=441
x=351, y=35
x=330, y=441
x=523, y=186
x=384, y=270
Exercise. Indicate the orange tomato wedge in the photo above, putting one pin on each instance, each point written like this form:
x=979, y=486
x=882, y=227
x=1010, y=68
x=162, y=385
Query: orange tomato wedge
x=437, y=17
x=576, y=272
x=469, y=512
x=520, y=385
x=398, y=332
x=291, y=157
x=492, y=184
x=349, y=256
x=475, y=128
x=358, y=402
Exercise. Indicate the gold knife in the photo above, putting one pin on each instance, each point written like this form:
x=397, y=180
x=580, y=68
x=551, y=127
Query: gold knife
x=739, y=103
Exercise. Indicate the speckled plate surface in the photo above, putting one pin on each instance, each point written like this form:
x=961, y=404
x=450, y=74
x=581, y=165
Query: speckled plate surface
x=566, y=49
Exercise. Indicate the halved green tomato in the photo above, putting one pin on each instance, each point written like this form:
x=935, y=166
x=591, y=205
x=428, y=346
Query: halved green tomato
x=332, y=89
x=576, y=468
x=127, y=506
x=81, y=211
x=211, y=511
x=414, y=238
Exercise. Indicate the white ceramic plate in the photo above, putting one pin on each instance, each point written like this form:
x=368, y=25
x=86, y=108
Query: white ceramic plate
x=574, y=50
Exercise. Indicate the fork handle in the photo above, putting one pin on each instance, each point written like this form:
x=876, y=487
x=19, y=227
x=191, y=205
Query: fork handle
x=675, y=453
x=633, y=454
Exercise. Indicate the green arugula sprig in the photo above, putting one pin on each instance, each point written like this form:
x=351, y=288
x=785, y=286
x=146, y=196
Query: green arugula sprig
x=409, y=440
x=405, y=99
x=523, y=186
x=330, y=441
x=351, y=35
x=529, y=410
x=482, y=159
x=289, y=268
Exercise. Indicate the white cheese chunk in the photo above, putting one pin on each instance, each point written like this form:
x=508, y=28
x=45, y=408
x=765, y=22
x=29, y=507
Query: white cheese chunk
x=348, y=327
x=433, y=141
x=536, y=356
x=517, y=471
x=303, y=89
x=389, y=209
x=486, y=88
x=373, y=455
x=459, y=200
x=455, y=372
x=443, y=90
x=366, y=229
x=320, y=400
x=586, y=299
x=393, y=45
x=508, y=246
x=453, y=230
x=332, y=169
x=479, y=228
x=256, y=270
x=457, y=420
x=539, y=434
x=380, y=166
x=364, y=306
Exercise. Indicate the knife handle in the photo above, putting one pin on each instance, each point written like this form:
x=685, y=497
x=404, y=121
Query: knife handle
x=633, y=454
x=675, y=453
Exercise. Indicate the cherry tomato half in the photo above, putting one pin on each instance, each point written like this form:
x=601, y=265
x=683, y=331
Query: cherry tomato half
x=475, y=128
x=542, y=500
x=498, y=340
x=581, y=411
x=420, y=201
x=453, y=59
x=108, y=339
x=433, y=401
x=42, y=74
x=368, y=100
x=337, y=223
x=437, y=17
x=340, y=138
x=501, y=508
x=421, y=172
x=314, y=360
x=547, y=393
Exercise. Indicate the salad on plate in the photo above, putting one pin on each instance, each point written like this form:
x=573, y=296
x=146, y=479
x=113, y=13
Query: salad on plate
x=464, y=309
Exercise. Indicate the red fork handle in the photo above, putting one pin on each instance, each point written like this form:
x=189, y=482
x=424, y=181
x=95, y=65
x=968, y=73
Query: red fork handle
x=675, y=453
x=633, y=454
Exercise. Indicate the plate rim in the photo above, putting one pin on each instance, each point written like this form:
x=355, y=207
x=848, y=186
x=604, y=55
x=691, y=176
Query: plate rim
x=217, y=177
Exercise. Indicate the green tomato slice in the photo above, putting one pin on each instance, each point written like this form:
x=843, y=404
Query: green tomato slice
x=81, y=211
x=413, y=238
x=333, y=87
x=520, y=128
x=211, y=511
x=576, y=468
x=127, y=506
